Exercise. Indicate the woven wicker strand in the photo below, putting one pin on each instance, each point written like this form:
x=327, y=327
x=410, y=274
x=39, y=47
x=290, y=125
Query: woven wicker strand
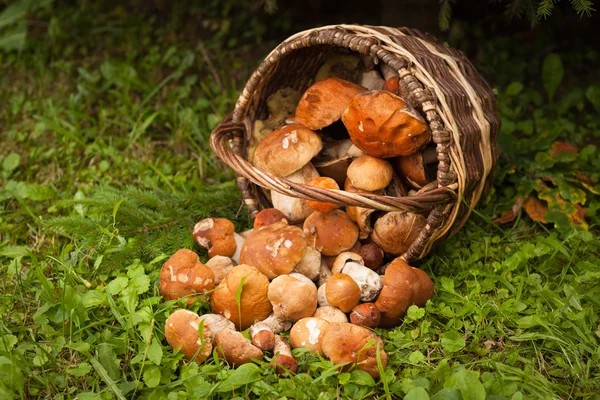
x=440, y=82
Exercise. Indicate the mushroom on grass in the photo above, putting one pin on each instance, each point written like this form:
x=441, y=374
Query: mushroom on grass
x=293, y=296
x=235, y=348
x=184, y=275
x=307, y=333
x=339, y=291
x=182, y=332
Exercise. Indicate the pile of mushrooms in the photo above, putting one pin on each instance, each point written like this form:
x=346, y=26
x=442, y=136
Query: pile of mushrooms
x=325, y=273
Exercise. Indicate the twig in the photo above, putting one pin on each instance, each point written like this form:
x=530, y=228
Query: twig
x=211, y=66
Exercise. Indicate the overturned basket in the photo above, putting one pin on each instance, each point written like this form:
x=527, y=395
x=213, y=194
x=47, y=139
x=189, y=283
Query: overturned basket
x=441, y=83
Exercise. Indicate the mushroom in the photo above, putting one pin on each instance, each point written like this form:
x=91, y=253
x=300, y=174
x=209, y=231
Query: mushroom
x=220, y=266
x=274, y=249
x=387, y=72
x=403, y=286
x=372, y=80
x=325, y=183
x=395, y=231
x=293, y=297
x=217, y=236
x=184, y=275
x=330, y=233
x=372, y=255
x=294, y=209
x=287, y=149
x=349, y=343
x=339, y=291
x=182, y=332
x=330, y=314
x=383, y=125
x=268, y=216
x=307, y=333
x=343, y=66
x=366, y=314
x=370, y=173
x=367, y=280
x=235, y=348
x=324, y=102
x=360, y=215
x=283, y=360
x=392, y=85
x=335, y=158
x=216, y=323
x=310, y=264
x=253, y=302
x=324, y=272
x=415, y=168
x=263, y=332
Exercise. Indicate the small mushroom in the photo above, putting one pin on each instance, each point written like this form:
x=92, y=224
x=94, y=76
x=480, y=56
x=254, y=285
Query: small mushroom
x=216, y=323
x=395, y=231
x=287, y=149
x=235, y=348
x=307, y=333
x=366, y=314
x=310, y=264
x=339, y=291
x=253, y=302
x=330, y=314
x=268, y=216
x=383, y=125
x=216, y=235
x=372, y=255
x=263, y=332
x=283, y=360
x=415, y=168
x=349, y=343
x=324, y=102
x=370, y=173
x=184, y=275
x=367, y=280
x=330, y=233
x=274, y=249
x=294, y=209
x=220, y=266
x=325, y=183
x=392, y=85
x=293, y=297
x=182, y=332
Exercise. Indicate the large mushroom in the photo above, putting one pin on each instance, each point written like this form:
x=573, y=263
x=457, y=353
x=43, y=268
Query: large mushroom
x=274, y=249
x=182, y=332
x=383, y=125
x=339, y=291
x=307, y=333
x=330, y=233
x=395, y=231
x=293, y=296
x=251, y=286
x=349, y=343
x=184, y=275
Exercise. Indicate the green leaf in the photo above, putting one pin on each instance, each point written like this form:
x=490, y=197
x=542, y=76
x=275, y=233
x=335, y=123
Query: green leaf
x=13, y=12
x=244, y=375
x=361, y=378
x=469, y=384
x=238, y=296
x=593, y=95
x=415, y=313
x=152, y=376
x=14, y=39
x=416, y=357
x=155, y=352
x=81, y=369
x=14, y=251
x=514, y=88
x=448, y=394
x=117, y=285
x=552, y=73
x=417, y=393
x=452, y=341
x=11, y=162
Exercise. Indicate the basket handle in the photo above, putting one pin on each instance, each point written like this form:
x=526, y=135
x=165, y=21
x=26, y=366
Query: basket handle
x=230, y=132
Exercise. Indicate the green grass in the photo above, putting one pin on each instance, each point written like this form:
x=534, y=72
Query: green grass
x=105, y=167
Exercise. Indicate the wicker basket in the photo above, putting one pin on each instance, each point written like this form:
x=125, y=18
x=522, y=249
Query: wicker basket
x=442, y=84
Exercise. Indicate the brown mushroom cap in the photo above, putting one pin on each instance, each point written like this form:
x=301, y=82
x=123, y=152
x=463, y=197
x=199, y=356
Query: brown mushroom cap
x=397, y=294
x=307, y=333
x=254, y=304
x=349, y=343
x=424, y=290
x=330, y=233
x=370, y=173
x=392, y=85
x=274, y=249
x=216, y=235
x=330, y=314
x=383, y=125
x=293, y=297
x=181, y=332
x=366, y=314
x=414, y=167
x=325, y=101
x=372, y=255
x=342, y=291
x=183, y=275
x=325, y=183
x=268, y=216
x=235, y=348
x=287, y=149
x=395, y=231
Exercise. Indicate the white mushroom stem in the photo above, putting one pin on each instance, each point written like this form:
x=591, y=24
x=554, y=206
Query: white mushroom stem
x=216, y=323
x=368, y=281
x=282, y=347
x=219, y=265
x=309, y=265
x=322, y=296
x=263, y=332
x=295, y=210
x=372, y=80
x=239, y=241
